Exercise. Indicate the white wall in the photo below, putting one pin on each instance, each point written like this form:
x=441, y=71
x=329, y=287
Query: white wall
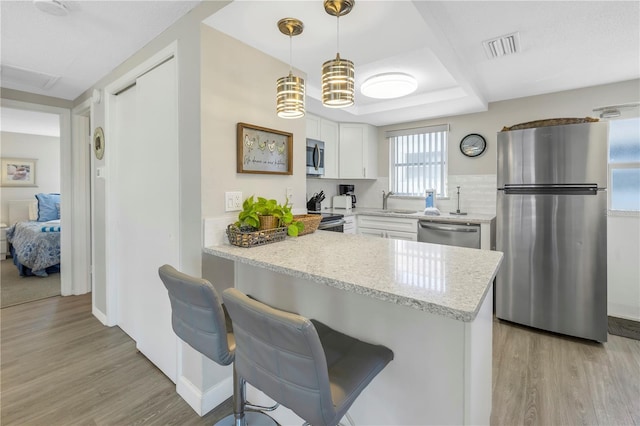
x=186, y=33
x=623, y=246
x=570, y=103
x=45, y=149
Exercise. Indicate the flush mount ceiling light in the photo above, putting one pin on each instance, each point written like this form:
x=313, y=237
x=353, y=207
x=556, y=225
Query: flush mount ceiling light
x=338, y=75
x=290, y=89
x=389, y=85
x=52, y=7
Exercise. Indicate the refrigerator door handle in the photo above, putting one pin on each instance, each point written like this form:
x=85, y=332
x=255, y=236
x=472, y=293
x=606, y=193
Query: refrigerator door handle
x=579, y=189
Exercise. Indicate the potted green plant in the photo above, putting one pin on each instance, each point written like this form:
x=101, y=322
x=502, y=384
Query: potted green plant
x=254, y=212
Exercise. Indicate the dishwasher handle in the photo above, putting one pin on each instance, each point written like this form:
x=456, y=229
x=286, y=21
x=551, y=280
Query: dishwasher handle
x=463, y=228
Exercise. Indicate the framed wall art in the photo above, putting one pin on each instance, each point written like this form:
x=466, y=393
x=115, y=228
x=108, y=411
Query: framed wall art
x=18, y=172
x=262, y=150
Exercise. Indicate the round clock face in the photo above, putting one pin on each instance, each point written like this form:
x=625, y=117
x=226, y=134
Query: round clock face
x=473, y=145
x=98, y=143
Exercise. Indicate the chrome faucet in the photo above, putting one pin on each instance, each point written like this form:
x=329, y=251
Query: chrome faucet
x=384, y=198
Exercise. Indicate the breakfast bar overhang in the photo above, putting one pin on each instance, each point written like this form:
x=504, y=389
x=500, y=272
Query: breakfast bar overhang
x=431, y=304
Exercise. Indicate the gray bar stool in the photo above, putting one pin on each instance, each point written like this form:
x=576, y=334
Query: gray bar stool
x=304, y=365
x=200, y=320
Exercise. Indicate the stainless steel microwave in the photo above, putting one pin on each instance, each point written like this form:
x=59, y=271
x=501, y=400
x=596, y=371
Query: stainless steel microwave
x=315, y=157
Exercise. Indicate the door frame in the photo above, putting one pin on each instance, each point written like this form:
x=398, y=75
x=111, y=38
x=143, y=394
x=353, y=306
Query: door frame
x=81, y=119
x=68, y=215
x=110, y=92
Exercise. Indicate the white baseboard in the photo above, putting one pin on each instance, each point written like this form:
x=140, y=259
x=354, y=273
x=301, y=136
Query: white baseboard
x=202, y=403
x=98, y=314
x=623, y=311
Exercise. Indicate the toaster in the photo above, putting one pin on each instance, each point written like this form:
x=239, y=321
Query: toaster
x=342, y=202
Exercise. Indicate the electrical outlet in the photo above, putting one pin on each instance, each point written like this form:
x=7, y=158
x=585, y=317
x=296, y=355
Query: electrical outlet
x=290, y=194
x=232, y=201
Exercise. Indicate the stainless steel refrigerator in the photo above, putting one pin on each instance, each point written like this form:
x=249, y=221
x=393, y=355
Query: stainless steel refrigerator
x=552, y=228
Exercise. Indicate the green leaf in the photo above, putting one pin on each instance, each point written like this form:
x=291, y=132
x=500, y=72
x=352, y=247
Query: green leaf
x=292, y=230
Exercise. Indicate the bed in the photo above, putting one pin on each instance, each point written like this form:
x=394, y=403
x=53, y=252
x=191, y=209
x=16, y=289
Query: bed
x=34, y=235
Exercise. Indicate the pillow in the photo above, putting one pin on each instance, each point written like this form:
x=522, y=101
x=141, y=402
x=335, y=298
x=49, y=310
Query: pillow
x=47, y=207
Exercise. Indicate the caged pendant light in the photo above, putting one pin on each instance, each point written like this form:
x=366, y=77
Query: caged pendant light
x=338, y=75
x=290, y=89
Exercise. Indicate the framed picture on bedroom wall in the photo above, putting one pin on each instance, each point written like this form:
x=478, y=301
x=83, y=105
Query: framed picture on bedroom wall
x=18, y=172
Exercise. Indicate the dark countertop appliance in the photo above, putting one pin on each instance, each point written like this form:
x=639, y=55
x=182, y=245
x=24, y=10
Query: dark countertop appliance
x=348, y=190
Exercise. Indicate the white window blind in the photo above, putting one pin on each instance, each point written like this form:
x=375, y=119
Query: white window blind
x=624, y=164
x=418, y=160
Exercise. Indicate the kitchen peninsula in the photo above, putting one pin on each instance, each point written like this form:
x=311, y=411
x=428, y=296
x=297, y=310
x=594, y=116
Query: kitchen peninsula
x=430, y=304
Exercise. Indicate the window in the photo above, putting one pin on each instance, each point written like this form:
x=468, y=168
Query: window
x=624, y=164
x=418, y=160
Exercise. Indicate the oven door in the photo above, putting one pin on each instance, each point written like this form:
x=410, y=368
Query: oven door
x=333, y=226
x=315, y=157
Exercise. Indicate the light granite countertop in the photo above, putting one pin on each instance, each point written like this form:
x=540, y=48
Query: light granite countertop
x=443, y=280
x=443, y=217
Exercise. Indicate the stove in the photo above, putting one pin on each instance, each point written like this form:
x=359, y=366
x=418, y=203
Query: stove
x=330, y=221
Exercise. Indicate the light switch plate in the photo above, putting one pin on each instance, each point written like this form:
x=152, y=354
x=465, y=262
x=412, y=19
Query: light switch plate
x=290, y=194
x=232, y=201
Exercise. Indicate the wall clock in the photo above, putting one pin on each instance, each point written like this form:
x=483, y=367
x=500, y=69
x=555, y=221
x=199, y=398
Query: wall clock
x=98, y=143
x=473, y=145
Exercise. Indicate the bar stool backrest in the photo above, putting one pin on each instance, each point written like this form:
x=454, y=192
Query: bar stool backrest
x=197, y=315
x=280, y=353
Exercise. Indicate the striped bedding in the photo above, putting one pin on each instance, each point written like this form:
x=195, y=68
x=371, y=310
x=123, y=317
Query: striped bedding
x=35, y=245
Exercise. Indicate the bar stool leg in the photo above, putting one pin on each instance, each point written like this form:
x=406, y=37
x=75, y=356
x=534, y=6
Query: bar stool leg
x=240, y=416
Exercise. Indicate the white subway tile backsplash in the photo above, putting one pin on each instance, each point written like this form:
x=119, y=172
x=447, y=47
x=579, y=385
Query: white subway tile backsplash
x=477, y=193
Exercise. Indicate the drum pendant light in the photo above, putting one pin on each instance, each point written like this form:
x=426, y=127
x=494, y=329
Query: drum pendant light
x=290, y=89
x=338, y=75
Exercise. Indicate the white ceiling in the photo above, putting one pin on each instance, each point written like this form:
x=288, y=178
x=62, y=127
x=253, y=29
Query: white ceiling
x=81, y=47
x=565, y=45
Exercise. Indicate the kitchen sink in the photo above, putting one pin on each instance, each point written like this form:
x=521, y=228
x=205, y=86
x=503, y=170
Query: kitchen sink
x=400, y=211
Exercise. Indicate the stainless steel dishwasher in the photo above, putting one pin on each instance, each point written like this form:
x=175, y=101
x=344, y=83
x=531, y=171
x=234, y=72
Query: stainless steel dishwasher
x=449, y=234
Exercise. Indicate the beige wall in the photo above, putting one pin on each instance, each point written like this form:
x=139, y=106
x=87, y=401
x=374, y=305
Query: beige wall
x=239, y=85
x=45, y=149
x=570, y=103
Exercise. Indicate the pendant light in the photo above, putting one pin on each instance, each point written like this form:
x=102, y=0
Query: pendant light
x=290, y=89
x=338, y=75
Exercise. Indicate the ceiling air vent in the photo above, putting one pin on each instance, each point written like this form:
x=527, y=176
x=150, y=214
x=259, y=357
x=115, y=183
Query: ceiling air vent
x=502, y=46
x=27, y=77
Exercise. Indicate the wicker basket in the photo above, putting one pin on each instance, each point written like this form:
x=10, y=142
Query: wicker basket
x=550, y=122
x=256, y=238
x=310, y=221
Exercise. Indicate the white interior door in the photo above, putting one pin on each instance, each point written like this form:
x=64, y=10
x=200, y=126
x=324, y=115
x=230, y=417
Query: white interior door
x=147, y=215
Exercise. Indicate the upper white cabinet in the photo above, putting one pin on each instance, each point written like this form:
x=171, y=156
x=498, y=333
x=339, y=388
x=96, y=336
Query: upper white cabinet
x=328, y=132
x=358, y=151
x=313, y=127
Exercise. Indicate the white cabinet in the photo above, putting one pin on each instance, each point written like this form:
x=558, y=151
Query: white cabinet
x=358, y=151
x=327, y=131
x=349, y=224
x=398, y=228
x=313, y=127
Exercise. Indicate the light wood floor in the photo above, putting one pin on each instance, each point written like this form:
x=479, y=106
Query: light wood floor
x=60, y=366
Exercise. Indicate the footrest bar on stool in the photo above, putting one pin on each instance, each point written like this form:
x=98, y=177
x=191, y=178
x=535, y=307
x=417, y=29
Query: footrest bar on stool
x=254, y=407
